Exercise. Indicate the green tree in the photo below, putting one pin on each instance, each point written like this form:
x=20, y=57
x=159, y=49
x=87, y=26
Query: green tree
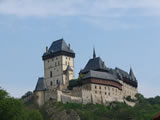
x=3, y=94
x=14, y=109
x=34, y=115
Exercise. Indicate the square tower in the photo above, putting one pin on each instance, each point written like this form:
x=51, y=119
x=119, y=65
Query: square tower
x=58, y=64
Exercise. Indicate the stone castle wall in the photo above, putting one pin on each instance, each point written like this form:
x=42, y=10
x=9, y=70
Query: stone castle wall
x=66, y=98
x=128, y=90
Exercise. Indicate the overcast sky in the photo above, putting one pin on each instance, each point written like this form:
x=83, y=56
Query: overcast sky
x=124, y=32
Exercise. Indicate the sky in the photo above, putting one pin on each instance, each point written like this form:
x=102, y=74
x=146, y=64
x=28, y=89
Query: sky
x=125, y=33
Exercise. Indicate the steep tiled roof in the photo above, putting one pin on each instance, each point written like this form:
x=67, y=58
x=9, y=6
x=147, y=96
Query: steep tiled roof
x=94, y=64
x=122, y=73
x=100, y=75
x=40, y=85
x=58, y=47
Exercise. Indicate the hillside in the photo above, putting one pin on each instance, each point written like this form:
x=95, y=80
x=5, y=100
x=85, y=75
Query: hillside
x=145, y=109
x=14, y=109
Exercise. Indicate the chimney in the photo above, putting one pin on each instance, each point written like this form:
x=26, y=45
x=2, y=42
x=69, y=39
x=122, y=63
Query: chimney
x=47, y=49
x=69, y=45
x=102, y=64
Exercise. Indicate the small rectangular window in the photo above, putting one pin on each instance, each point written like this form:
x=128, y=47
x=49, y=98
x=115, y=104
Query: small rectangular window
x=50, y=73
x=51, y=83
x=57, y=82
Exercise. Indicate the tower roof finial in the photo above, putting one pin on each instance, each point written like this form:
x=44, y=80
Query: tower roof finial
x=94, y=53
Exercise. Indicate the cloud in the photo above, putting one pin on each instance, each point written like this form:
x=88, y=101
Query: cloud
x=102, y=8
x=107, y=14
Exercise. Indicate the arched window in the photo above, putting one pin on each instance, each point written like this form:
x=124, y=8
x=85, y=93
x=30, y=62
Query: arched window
x=50, y=73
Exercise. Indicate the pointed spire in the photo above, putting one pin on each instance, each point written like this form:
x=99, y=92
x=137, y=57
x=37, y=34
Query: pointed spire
x=131, y=71
x=132, y=74
x=94, y=53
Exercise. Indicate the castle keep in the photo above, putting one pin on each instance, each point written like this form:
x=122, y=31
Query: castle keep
x=96, y=84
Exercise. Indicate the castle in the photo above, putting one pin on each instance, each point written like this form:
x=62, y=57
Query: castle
x=98, y=84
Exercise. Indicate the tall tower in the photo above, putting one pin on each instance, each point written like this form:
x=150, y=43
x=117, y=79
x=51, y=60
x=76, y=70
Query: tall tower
x=58, y=64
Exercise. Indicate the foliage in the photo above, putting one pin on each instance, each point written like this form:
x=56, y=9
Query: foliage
x=74, y=83
x=26, y=94
x=128, y=98
x=14, y=109
x=81, y=76
x=145, y=109
x=3, y=94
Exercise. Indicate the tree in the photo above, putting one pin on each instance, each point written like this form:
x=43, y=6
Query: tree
x=14, y=109
x=3, y=94
x=34, y=115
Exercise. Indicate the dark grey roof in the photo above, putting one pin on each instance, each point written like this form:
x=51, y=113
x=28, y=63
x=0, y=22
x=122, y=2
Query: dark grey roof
x=132, y=75
x=100, y=75
x=94, y=64
x=60, y=45
x=122, y=73
x=69, y=68
x=57, y=48
x=113, y=72
x=40, y=85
